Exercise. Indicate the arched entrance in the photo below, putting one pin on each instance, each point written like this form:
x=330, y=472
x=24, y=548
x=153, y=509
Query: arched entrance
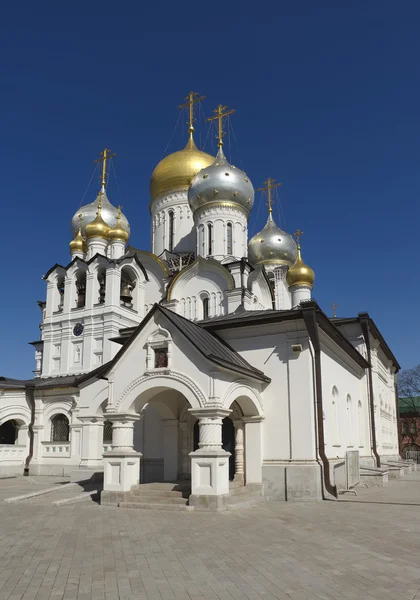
x=161, y=437
x=9, y=432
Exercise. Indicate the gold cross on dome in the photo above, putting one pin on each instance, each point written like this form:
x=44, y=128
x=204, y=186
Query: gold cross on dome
x=220, y=115
x=298, y=234
x=103, y=157
x=80, y=217
x=334, y=307
x=269, y=185
x=191, y=99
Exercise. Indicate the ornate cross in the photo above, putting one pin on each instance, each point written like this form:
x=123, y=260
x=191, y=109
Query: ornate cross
x=269, y=185
x=103, y=157
x=191, y=99
x=220, y=115
x=334, y=307
x=80, y=217
x=298, y=234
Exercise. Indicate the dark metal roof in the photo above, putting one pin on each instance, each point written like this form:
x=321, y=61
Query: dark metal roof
x=374, y=331
x=38, y=382
x=211, y=346
x=244, y=318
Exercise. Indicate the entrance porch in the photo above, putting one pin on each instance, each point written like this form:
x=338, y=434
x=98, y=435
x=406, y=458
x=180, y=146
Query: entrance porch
x=202, y=452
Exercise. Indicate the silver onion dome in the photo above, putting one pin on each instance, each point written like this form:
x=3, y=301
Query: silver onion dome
x=221, y=183
x=108, y=212
x=272, y=246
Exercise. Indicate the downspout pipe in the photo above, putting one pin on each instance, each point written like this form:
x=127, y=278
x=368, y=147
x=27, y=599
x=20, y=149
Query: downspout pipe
x=309, y=317
x=29, y=392
x=243, y=261
x=364, y=323
x=397, y=402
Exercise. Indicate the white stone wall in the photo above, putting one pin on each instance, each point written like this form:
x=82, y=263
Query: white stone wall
x=184, y=232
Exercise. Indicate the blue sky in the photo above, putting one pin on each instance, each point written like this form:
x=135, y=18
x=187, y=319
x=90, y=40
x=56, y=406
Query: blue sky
x=327, y=102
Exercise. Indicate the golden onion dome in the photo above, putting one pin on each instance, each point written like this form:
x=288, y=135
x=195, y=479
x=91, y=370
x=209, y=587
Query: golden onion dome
x=97, y=228
x=300, y=273
x=176, y=170
x=117, y=233
x=78, y=244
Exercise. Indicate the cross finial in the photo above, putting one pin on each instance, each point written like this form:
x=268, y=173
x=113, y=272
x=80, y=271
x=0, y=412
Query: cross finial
x=298, y=234
x=334, y=307
x=268, y=186
x=80, y=217
x=221, y=112
x=119, y=214
x=191, y=99
x=103, y=157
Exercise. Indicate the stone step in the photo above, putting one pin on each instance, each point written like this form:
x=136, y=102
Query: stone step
x=246, y=489
x=155, y=499
x=164, y=486
x=155, y=506
x=145, y=493
x=237, y=502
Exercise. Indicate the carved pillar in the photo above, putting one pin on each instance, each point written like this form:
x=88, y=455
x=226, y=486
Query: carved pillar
x=210, y=463
x=239, y=450
x=121, y=463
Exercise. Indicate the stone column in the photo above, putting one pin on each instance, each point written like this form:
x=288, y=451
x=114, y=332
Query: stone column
x=239, y=450
x=92, y=447
x=121, y=463
x=210, y=463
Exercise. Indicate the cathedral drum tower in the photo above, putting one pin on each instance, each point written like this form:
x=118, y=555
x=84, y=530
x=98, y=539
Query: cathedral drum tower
x=172, y=222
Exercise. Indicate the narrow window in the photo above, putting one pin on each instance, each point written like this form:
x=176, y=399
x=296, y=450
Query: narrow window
x=210, y=240
x=60, y=429
x=229, y=238
x=171, y=231
x=205, y=308
x=107, y=435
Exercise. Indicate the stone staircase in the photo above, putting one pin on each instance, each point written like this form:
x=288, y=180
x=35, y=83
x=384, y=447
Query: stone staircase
x=158, y=496
x=174, y=496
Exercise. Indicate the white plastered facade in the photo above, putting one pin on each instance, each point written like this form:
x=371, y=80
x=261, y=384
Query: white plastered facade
x=199, y=417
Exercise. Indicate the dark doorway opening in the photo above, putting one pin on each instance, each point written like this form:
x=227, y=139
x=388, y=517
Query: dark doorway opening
x=8, y=432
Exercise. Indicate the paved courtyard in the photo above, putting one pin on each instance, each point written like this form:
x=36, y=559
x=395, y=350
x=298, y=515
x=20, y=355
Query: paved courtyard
x=366, y=547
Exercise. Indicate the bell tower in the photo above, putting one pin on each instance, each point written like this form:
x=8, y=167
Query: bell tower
x=90, y=299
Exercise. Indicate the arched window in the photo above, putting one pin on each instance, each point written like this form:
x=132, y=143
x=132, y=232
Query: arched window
x=335, y=422
x=81, y=289
x=60, y=428
x=360, y=420
x=128, y=285
x=210, y=238
x=171, y=231
x=349, y=420
x=107, y=435
x=60, y=287
x=205, y=308
x=102, y=283
x=9, y=432
x=229, y=239
x=201, y=240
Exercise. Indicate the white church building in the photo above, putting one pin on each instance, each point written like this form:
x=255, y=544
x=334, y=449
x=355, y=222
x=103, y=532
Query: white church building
x=203, y=362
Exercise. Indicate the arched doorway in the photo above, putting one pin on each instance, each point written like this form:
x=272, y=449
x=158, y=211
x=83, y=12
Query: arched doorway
x=160, y=435
x=9, y=432
x=228, y=442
